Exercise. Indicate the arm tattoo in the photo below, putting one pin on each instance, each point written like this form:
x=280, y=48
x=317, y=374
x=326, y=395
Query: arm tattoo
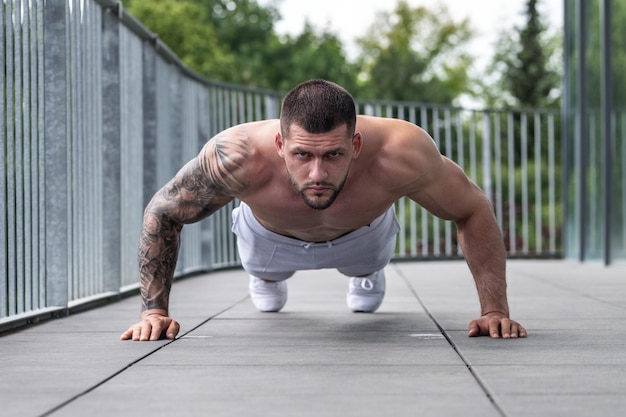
x=200, y=188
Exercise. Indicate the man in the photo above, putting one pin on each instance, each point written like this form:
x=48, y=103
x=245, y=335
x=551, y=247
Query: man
x=317, y=189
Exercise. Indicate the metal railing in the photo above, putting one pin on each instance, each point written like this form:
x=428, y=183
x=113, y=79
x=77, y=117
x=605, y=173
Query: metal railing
x=98, y=114
x=513, y=155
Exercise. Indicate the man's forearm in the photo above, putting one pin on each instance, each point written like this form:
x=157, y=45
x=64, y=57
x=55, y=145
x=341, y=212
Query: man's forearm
x=158, y=253
x=484, y=251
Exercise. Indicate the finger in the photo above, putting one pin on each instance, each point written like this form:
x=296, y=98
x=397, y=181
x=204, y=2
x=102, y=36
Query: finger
x=157, y=329
x=127, y=334
x=136, y=332
x=145, y=331
x=173, y=329
x=494, y=328
x=474, y=329
x=506, y=328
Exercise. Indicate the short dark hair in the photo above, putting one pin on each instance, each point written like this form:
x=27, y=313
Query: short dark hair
x=318, y=106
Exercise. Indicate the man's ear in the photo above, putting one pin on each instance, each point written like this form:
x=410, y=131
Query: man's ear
x=280, y=146
x=357, y=143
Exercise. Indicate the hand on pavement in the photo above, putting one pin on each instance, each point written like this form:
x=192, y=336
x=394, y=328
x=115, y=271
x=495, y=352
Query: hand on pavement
x=154, y=325
x=496, y=325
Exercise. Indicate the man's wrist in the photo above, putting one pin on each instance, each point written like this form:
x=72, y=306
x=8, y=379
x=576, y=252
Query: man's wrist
x=154, y=311
x=505, y=314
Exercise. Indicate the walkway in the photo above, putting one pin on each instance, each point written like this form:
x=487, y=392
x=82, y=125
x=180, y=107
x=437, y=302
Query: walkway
x=315, y=358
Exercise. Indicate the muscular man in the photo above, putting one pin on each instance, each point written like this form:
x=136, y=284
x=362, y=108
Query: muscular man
x=317, y=189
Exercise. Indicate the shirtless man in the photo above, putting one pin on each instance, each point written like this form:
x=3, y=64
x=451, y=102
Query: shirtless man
x=311, y=185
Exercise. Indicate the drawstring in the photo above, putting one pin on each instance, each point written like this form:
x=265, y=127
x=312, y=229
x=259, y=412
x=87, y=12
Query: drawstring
x=307, y=245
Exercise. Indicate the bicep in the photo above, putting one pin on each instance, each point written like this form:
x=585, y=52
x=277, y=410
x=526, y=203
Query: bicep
x=188, y=197
x=207, y=182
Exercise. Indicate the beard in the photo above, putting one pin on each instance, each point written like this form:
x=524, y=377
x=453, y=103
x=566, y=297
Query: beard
x=319, y=202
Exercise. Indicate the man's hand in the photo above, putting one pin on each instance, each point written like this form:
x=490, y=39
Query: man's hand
x=154, y=324
x=496, y=325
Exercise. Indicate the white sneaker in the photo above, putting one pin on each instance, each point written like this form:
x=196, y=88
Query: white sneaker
x=366, y=294
x=268, y=296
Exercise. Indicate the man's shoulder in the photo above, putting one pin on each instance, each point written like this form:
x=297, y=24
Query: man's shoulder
x=403, y=152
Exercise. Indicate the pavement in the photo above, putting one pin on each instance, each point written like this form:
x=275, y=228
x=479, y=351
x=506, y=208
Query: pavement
x=316, y=358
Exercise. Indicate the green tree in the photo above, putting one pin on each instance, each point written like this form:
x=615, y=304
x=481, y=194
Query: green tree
x=235, y=41
x=416, y=54
x=196, y=43
x=524, y=70
x=311, y=54
x=245, y=29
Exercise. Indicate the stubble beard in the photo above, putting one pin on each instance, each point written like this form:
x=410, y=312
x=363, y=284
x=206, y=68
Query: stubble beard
x=319, y=204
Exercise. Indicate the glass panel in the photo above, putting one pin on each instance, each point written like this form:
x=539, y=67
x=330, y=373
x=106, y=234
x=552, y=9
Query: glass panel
x=618, y=63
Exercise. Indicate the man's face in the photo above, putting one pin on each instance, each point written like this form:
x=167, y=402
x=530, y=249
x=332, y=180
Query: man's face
x=318, y=164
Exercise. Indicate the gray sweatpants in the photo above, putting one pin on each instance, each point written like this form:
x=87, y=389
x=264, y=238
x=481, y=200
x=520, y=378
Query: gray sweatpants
x=274, y=257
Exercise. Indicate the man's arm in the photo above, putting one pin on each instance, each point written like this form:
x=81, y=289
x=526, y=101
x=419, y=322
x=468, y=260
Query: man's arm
x=448, y=193
x=200, y=188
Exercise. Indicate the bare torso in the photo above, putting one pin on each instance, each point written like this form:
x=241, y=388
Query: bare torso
x=384, y=171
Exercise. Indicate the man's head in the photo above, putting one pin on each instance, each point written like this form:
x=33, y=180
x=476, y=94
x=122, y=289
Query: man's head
x=317, y=140
x=317, y=106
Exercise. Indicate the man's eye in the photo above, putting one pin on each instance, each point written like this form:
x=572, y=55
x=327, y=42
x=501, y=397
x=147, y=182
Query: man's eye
x=302, y=154
x=333, y=154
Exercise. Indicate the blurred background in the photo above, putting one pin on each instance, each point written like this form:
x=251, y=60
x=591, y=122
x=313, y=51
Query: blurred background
x=474, y=54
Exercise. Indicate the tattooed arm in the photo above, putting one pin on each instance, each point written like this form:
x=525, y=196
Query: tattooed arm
x=200, y=188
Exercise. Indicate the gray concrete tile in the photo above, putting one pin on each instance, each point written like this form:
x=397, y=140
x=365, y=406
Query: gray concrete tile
x=558, y=380
x=290, y=391
x=564, y=405
x=317, y=358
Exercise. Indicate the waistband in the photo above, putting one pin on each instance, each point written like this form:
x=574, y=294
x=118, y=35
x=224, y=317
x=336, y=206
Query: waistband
x=387, y=218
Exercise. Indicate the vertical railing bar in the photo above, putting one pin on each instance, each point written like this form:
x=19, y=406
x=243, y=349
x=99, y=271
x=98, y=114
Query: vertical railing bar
x=78, y=252
x=11, y=187
x=449, y=154
x=19, y=158
x=524, y=155
x=497, y=143
x=413, y=205
x=460, y=156
x=552, y=183
x=511, y=174
x=472, y=147
x=92, y=123
x=28, y=161
x=623, y=180
x=538, y=165
x=41, y=152
x=486, y=158
x=592, y=192
x=99, y=134
x=34, y=157
x=424, y=213
x=70, y=158
x=4, y=245
x=56, y=154
x=401, y=214
x=435, y=220
x=112, y=239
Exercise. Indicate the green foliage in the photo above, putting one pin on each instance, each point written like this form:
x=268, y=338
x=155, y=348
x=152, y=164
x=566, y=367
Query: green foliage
x=526, y=66
x=181, y=26
x=415, y=54
x=235, y=41
x=309, y=55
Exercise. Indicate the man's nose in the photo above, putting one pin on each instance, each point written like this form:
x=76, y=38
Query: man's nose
x=318, y=172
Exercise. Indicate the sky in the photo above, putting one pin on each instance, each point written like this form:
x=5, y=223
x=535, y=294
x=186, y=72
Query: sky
x=350, y=19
